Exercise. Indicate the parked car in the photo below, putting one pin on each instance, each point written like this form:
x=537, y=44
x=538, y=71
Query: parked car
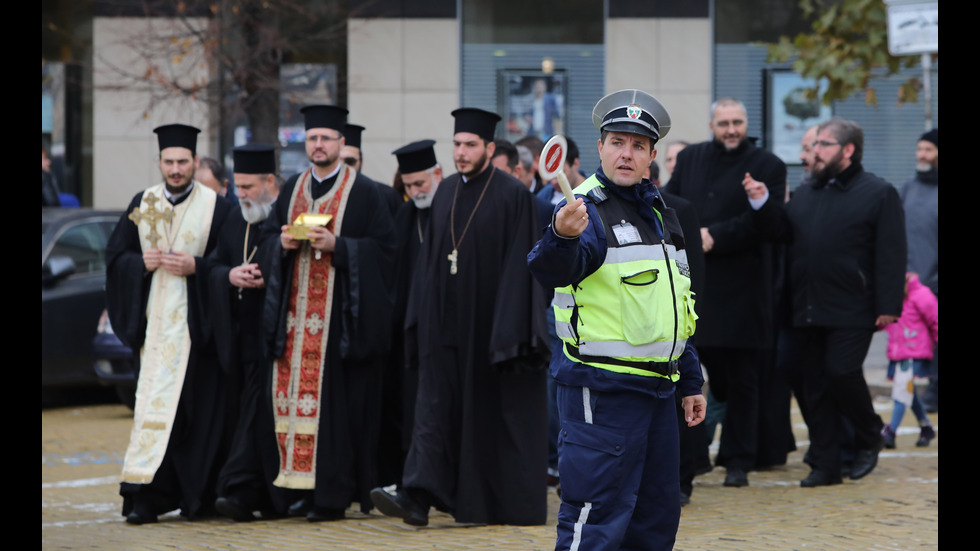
x=73, y=265
x=114, y=363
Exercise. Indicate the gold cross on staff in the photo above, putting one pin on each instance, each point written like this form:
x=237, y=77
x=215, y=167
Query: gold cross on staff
x=152, y=215
x=452, y=258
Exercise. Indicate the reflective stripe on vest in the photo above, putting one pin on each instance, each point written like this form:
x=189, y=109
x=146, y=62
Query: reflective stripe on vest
x=635, y=313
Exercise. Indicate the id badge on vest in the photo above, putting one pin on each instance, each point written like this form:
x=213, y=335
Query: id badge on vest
x=626, y=233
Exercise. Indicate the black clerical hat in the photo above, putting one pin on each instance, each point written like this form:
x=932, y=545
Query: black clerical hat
x=931, y=136
x=633, y=111
x=324, y=116
x=416, y=156
x=476, y=121
x=177, y=135
x=255, y=158
x=352, y=135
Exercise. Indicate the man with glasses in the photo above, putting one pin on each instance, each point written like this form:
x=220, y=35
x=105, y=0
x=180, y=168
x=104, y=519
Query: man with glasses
x=328, y=299
x=735, y=328
x=846, y=272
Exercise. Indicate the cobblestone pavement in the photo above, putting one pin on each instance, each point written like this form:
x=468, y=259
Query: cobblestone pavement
x=896, y=507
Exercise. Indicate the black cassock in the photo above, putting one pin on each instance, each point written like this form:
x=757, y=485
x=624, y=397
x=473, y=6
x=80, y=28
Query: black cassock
x=198, y=439
x=479, y=443
x=358, y=344
x=392, y=197
x=253, y=460
x=401, y=372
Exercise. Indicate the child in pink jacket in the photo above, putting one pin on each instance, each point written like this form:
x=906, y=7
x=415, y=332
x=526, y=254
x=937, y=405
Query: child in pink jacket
x=910, y=344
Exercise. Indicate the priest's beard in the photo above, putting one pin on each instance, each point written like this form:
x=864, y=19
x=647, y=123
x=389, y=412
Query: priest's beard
x=923, y=167
x=424, y=200
x=258, y=210
x=184, y=181
x=327, y=161
x=478, y=166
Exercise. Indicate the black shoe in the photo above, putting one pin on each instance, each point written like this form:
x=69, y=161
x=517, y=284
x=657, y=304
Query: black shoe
x=926, y=434
x=819, y=478
x=685, y=499
x=138, y=519
x=323, y=514
x=398, y=503
x=864, y=462
x=234, y=509
x=301, y=508
x=736, y=478
x=142, y=513
x=888, y=437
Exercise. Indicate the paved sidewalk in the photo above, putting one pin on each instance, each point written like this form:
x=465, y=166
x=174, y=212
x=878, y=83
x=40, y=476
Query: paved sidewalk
x=894, y=508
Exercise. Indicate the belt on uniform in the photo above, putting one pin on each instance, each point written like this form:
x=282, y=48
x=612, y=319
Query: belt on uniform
x=666, y=369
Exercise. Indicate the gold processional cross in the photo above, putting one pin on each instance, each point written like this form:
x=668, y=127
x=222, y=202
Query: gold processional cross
x=152, y=216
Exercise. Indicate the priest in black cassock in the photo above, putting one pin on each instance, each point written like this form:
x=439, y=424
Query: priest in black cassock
x=421, y=175
x=328, y=309
x=156, y=298
x=237, y=295
x=352, y=155
x=479, y=442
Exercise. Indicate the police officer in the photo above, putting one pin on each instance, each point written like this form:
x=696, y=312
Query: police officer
x=624, y=311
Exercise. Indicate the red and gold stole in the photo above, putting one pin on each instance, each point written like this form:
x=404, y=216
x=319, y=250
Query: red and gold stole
x=298, y=373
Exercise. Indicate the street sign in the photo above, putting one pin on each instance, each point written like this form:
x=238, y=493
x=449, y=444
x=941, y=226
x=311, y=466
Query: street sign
x=913, y=27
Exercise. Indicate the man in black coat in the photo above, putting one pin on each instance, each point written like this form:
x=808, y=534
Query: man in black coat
x=735, y=324
x=846, y=230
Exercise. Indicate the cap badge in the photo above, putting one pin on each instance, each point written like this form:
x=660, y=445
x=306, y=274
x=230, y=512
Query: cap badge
x=633, y=111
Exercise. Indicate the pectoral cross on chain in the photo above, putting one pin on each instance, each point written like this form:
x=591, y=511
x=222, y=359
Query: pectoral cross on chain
x=152, y=215
x=452, y=258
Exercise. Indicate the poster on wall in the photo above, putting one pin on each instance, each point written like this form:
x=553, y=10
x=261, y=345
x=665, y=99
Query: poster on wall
x=789, y=112
x=532, y=103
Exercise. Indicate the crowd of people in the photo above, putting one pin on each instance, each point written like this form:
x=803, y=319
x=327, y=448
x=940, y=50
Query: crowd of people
x=464, y=340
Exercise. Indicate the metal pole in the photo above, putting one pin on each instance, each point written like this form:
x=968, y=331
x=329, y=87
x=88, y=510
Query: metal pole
x=927, y=89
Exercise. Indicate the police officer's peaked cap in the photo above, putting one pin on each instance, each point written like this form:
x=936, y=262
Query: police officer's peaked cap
x=476, y=121
x=416, y=156
x=352, y=135
x=633, y=111
x=177, y=135
x=254, y=158
x=324, y=116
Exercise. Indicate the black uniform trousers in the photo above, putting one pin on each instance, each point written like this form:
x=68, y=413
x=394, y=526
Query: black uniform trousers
x=733, y=376
x=834, y=387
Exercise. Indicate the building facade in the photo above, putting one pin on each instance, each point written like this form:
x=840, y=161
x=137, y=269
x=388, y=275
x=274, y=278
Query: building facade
x=401, y=67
